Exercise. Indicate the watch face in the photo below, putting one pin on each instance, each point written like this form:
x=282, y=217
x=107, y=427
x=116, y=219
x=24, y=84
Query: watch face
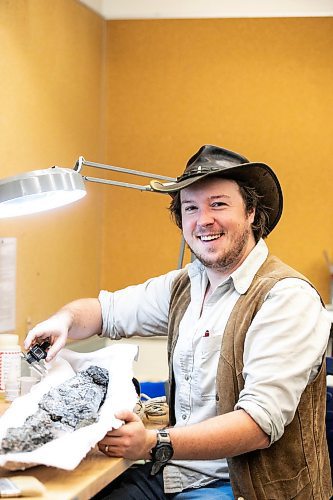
x=163, y=452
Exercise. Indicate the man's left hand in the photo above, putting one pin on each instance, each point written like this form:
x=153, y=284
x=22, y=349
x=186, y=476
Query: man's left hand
x=132, y=440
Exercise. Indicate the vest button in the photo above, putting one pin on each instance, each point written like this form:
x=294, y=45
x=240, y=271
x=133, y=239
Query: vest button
x=217, y=397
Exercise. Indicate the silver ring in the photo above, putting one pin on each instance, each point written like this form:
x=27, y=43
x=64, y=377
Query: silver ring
x=106, y=449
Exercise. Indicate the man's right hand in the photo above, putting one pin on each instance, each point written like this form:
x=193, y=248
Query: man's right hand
x=55, y=329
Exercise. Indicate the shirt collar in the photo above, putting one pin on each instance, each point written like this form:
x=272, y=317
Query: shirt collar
x=244, y=274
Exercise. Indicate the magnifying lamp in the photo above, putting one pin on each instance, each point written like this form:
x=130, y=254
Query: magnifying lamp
x=41, y=190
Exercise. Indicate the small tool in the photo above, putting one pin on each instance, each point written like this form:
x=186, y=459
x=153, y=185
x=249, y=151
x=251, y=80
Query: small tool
x=36, y=355
x=21, y=486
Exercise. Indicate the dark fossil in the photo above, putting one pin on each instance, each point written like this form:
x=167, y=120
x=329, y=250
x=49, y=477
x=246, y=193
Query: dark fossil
x=71, y=405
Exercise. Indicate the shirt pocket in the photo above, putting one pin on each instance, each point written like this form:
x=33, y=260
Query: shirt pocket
x=206, y=366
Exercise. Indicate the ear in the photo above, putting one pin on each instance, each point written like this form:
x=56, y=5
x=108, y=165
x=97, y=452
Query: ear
x=251, y=215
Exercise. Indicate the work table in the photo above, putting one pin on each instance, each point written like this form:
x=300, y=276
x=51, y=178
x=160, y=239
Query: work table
x=94, y=472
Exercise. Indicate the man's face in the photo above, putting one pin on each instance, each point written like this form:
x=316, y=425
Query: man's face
x=215, y=224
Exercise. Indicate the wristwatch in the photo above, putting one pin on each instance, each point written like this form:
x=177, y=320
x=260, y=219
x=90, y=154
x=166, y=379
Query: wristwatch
x=162, y=452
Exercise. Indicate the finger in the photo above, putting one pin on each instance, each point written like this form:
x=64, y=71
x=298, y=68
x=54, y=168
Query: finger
x=109, y=439
x=32, y=337
x=104, y=448
x=127, y=416
x=109, y=449
x=103, y=442
x=115, y=432
x=102, y=445
x=112, y=451
x=54, y=349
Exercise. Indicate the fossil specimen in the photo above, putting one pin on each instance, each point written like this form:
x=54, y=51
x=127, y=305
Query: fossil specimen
x=65, y=408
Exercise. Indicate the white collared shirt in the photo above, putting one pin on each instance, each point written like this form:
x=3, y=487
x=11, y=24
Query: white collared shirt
x=282, y=351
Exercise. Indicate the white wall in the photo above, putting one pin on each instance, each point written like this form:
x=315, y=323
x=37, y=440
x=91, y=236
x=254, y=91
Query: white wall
x=152, y=363
x=183, y=9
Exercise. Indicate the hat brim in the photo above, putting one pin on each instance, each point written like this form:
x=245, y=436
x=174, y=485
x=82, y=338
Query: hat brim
x=257, y=175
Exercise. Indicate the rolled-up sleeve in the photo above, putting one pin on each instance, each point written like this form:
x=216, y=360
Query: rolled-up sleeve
x=137, y=310
x=283, y=350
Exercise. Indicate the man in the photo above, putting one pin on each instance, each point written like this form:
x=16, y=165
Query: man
x=246, y=340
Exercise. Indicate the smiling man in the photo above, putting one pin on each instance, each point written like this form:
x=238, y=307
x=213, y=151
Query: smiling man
x=246, y=342
x=216, y=225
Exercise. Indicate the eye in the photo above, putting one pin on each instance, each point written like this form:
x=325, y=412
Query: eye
x=218, y=204
x=189, y=208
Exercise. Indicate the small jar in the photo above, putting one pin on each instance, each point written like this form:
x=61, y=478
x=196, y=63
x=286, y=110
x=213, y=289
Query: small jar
x=12, y=389
x=10, y=361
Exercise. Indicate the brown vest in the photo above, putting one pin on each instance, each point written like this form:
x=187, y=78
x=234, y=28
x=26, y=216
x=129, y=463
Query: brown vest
x=297, y=465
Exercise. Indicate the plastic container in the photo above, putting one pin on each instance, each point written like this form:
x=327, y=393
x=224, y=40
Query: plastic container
x=26, y=383
x=10, y=364
x=12, y=389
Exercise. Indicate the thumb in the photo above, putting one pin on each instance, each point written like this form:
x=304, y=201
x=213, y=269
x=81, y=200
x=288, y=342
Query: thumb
x=127, y=416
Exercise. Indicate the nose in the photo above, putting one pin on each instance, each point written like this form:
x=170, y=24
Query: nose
x=205, y=217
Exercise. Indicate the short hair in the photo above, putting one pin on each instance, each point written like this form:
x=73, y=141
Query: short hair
x=252, y=201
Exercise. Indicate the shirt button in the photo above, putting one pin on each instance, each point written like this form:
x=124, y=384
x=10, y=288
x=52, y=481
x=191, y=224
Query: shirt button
x=184, y=417
x=187, y=377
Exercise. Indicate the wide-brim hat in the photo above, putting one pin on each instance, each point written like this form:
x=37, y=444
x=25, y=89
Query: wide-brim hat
x=215, y=161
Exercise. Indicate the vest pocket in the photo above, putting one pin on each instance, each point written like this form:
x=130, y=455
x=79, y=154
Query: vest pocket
x=286, y=489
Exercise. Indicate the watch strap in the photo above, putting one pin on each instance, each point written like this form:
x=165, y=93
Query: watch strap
x=155, y=468
x=163, y=436
x=163, y=439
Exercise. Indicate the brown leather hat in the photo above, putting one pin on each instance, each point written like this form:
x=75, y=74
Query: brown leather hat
x=216, y=161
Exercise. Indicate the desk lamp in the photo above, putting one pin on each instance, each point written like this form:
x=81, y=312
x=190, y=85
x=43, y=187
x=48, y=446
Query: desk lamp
x=41, y=190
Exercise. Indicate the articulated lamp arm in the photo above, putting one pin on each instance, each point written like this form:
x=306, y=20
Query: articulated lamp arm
x=82, y=162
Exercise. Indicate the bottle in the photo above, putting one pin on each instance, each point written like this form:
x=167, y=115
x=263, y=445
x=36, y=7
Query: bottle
x=10, y=364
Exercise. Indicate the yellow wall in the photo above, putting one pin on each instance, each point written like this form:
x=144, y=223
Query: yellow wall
x=51, y=59
x=262, y=87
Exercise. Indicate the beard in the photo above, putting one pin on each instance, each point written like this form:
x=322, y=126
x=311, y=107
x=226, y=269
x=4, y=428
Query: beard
x=229, y=258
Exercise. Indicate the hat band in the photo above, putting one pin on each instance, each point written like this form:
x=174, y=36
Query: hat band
x=199, y=170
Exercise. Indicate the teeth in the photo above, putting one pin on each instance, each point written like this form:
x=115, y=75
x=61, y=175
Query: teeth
x=210, y=237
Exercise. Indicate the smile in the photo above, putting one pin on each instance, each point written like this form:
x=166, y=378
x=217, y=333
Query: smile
x=210, y=237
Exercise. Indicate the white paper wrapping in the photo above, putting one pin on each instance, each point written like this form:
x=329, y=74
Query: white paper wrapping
x=67, y=451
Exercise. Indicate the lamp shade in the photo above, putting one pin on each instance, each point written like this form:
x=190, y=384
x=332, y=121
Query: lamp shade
x=39, y=190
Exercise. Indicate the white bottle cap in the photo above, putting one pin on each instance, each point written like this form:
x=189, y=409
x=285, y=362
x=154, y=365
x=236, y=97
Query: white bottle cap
x=8, y=340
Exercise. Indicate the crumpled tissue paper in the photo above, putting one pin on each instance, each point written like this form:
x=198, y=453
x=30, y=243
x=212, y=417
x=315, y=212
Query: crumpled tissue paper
x=67, y=451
